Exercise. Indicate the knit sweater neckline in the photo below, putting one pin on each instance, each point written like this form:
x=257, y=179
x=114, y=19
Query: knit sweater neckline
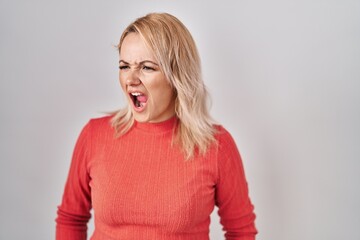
x=158, y=127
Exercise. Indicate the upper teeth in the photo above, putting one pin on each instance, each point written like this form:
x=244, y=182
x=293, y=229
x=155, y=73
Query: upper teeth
x=136, y=94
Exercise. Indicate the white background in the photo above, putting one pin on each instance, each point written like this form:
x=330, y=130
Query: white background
x=284, y=78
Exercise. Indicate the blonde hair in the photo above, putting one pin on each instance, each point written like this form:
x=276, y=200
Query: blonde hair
x=177, y=55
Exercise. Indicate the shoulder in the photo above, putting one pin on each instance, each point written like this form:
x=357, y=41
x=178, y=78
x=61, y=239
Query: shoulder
x=222, y=134
x=100, y=122
x=225, y=141
x=98, y=125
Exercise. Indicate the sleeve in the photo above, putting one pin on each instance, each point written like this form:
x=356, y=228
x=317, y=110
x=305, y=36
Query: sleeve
x=231, y=194
x=74, y=212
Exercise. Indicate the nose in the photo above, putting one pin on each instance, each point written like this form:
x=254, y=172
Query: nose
x=133, y=78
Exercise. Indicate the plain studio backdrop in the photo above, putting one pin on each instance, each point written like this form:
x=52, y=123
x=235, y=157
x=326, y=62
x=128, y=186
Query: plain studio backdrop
x=284, y=78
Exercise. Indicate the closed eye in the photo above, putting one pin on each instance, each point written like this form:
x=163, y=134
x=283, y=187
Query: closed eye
x=147, y=68
x=123, y=67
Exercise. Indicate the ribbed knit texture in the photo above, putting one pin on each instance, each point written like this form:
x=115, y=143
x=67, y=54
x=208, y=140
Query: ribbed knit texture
x=141, y=187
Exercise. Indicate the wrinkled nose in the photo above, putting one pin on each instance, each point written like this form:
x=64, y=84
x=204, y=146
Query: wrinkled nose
x=133, y=78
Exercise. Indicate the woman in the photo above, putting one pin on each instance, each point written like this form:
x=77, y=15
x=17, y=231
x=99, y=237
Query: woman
x=156, y=169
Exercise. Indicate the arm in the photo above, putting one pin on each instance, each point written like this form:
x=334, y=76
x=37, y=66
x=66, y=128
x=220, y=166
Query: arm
x=74, y=212
x=232, y=198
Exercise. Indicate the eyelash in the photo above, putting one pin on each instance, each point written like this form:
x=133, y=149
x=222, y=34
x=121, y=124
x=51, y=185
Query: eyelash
x=147, y=68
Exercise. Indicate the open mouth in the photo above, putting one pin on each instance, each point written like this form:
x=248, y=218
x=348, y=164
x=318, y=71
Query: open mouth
x=139, y=99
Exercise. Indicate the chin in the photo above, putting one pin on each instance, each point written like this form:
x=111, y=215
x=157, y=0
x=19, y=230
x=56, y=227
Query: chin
x=141, y=117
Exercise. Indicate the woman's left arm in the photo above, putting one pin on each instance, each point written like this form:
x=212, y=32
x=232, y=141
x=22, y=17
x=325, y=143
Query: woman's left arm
x=232, y=197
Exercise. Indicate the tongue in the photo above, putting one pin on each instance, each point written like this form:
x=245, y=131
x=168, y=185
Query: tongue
x=142, y=98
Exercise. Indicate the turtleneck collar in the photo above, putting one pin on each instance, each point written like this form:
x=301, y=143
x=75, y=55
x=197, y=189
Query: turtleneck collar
x=158, y=127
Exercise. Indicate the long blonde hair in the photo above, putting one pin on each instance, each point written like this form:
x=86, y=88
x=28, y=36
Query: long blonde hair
x=176, y=52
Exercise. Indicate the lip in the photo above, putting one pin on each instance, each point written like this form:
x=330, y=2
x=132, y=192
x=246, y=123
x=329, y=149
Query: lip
x=135, y=91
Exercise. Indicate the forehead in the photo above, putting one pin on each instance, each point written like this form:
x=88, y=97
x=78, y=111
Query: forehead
x=134, y=50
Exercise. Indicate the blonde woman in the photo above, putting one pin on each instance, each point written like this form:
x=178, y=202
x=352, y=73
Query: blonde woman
x=156, y=169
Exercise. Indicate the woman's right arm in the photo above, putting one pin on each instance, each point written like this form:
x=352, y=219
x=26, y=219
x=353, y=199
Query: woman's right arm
x=74, y=212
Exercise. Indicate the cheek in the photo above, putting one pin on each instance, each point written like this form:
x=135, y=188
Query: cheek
x=122, y=82
x=163, y=96
x=159, y=89
x=168, y=91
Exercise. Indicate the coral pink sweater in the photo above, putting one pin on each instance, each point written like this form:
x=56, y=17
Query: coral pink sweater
x=141, y=187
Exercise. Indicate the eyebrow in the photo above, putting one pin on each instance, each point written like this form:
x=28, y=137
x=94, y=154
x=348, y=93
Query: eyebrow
x=140, y=63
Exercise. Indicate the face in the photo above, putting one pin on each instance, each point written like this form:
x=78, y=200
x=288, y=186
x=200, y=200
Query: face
x=147, y=89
